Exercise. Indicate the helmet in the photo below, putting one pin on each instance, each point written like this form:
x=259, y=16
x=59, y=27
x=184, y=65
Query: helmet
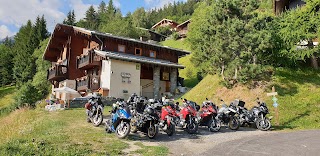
x=149, y=110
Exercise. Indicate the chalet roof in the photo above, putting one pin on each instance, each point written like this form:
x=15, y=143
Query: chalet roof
x=168, y=20
x=136, y=58
x=68, y=29
x=184, y=23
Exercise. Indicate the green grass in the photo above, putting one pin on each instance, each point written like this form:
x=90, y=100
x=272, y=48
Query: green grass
x=66, y=132
x=299, y=96
x=6, y=96
x=189, y=73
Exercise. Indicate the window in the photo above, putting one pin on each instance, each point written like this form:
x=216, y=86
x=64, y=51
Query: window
x=152, y=54
x=121, y=48
x=137, y=51
x=165, y=76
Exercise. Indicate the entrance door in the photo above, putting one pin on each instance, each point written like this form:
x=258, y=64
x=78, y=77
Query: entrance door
x=167, y=86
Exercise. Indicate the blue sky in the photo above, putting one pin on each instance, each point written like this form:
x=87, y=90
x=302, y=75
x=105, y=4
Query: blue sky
x=15, y=13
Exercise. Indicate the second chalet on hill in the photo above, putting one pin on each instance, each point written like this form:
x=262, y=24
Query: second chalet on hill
x=112, y=65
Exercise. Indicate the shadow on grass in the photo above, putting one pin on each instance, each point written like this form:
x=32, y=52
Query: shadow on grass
x=286, y=125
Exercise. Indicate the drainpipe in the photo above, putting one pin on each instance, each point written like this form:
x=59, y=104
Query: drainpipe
x=100, y=41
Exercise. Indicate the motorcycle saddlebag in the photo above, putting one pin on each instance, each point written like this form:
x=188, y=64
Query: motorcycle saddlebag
x=87, y=106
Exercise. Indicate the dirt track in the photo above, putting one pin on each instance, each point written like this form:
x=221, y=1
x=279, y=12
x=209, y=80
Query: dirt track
x=182, y=143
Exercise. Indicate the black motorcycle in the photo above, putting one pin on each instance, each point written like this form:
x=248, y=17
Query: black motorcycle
x=257, y=115
x=228, y=115
x=145, y=122
x=94, y=110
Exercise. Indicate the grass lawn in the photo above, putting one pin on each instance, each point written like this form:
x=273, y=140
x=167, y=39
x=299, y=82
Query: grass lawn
x=6, y=96
x=38, y=132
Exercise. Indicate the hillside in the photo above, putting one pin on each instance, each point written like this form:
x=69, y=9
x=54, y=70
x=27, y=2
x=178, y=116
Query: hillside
x=299, y=100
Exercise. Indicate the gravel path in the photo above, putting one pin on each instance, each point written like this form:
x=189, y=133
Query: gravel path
x=184, y=144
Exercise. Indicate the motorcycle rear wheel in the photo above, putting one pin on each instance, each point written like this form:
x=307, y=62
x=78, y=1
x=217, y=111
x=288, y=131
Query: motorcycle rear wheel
x=123, y=129
x=264, y=127
x=214, y=125
x=234, y=123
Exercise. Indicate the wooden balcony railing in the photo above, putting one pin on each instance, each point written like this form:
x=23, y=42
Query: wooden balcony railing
x=88, y=82
x=88, y=61
x=83, y=84
x=57, y=73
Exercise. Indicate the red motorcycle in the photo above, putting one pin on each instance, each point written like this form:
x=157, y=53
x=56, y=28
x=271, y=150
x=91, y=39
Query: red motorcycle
x=188, y=116
x=167, y=119
x=208, y=116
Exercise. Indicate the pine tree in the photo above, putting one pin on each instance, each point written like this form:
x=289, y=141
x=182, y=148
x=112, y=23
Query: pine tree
x=111, y=10
x=91, y=19
x=71, y=19
x=24, y=66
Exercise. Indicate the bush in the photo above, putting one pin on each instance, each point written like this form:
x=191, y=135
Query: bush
x=27, y=95
x=166, y=31
x=175, y=36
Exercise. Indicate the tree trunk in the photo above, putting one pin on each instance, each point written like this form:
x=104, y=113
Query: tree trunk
x=314, y=62
x=222, y=72
x=254, y=59
x=235, y=73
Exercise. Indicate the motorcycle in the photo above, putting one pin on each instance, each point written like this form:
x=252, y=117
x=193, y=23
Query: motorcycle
x=168, y=118
x=189, y=117
x=146, y=122
x=257, y=115
x=208, y=116
x=94, y=110
x=120, y=120
x=228, y=116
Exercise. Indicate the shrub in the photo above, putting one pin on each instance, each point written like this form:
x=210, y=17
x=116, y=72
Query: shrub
x=27, y=95
x=175, y=36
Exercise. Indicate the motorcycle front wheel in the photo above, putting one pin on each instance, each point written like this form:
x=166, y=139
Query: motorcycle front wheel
x=192, y=127
x=152, y=131
x=170, y=130
x=263, y=124
x=123, y=129
x=234, y=123
x=214, y=125
x=97, y=119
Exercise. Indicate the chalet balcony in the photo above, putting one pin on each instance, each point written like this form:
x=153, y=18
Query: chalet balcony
x=88, y=82
x=88, y=61
x=83, y=83
x=57, y=73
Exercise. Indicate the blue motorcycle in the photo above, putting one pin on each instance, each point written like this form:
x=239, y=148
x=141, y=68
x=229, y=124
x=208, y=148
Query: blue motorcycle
x=120, y=120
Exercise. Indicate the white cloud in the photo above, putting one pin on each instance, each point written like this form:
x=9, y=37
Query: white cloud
x=18, y=12
x=160, y=3
x=116, y=3
x=4, y=32
x=80, y=8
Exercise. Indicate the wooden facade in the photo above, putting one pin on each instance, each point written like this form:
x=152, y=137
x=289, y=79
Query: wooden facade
x=71, y=51
x=166, y=22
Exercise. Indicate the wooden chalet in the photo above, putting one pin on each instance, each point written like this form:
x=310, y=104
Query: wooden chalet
x=112, y=65
x=166, y=22
x=282, y=5
x=182, y=28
